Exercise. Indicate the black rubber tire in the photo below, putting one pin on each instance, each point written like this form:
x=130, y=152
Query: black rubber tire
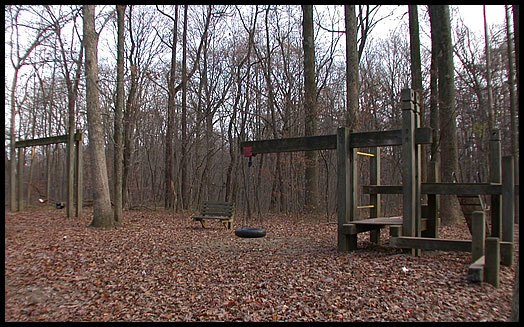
x=247, y=232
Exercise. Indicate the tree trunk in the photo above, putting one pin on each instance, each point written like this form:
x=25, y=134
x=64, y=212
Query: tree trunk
x=491, y=117
x=351, y=67
x=185, y=194
x=416, y=74
x=311, y=200
x=441, y=30
x=170, y=193
x=119, y=109
x=102, y=212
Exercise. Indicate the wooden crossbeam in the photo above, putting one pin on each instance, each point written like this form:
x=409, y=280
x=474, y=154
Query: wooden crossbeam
x=47, y=140
x=440, y=188
x=327, y=142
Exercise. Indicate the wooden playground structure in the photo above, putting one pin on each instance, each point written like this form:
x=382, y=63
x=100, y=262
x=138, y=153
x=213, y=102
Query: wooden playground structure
x=417, y=228
x=74, y=175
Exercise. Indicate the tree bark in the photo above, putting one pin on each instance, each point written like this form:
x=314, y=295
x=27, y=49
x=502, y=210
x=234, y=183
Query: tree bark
x=441, y=30
x=119, y=110
x=351, y=67
x=416, y=74
x=102, y=212
x=311, y=200
x=170, y=193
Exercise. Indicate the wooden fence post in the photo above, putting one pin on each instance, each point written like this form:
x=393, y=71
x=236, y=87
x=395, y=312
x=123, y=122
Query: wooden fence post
x=79, y=174
x=20, y=179
x=410, y=191
x=478, y=235
x=345, y=242
x=374, y=199
x=508, y=209
x=491, y=268
x=495, y=173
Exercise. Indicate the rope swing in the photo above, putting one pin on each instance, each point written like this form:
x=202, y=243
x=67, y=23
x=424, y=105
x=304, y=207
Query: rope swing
x=248, y=232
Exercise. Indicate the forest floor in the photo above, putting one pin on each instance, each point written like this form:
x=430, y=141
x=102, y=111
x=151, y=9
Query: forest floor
x=160, y=267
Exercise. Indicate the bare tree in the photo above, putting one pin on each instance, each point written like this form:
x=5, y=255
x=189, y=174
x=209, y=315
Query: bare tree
x=441, y=31
x=102, y=211
x=119, y=108
x=18, y=58
x=310, y=104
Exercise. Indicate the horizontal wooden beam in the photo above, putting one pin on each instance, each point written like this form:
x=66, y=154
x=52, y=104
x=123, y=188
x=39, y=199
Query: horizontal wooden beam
x=329, y=142
x=47, y=140
x=291, y=144
x=431, y=244
x=439, y=188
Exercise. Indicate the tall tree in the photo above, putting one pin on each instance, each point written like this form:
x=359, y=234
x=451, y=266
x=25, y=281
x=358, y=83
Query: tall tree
x=102, y=212
x=416, y=70
x=170, y=193
x=119, y=111
x=491, y=117
x=18, y=57
x=310, y=103
x=185, y=194
x=352, y=60
x=441, y=31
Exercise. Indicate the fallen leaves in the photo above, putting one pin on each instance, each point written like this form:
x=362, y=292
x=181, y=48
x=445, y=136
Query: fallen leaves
x=160, y=268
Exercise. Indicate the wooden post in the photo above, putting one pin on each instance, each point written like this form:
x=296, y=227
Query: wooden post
x=495, y=173
x=374, y=199
x=409, y=190
x=345, y=241
x=20, y=180
x=79, y=166
x=508, y=209
x=433, y=203
x=478, y=235
x=491, y=269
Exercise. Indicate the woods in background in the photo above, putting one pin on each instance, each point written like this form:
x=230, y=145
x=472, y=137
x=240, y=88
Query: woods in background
x=192, y=82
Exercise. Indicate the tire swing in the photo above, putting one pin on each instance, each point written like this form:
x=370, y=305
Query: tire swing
x=249, y=232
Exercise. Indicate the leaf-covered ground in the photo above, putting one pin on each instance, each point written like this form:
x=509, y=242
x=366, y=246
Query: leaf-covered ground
x=164, y=268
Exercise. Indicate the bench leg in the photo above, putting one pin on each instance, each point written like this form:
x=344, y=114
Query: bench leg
x=203, y=223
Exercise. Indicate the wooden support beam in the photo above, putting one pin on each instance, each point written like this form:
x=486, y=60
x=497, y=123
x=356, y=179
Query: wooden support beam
x=79, y=176
x=492, y=266
x=46, y=140
x=495, y=176
x=508, y=207
x=20, y=179
x=409, y=162
x=478, y=235
x=431, y=244
x=440, y=188
x=327, y=142
x=344, y=242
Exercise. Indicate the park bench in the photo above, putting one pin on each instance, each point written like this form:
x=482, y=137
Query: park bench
x=222, y=211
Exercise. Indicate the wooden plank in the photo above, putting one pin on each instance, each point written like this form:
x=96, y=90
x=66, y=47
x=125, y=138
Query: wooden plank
x=464, y=189
x=461, y=188
x=427, y=243
x=327, y=142
x=47, y=140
